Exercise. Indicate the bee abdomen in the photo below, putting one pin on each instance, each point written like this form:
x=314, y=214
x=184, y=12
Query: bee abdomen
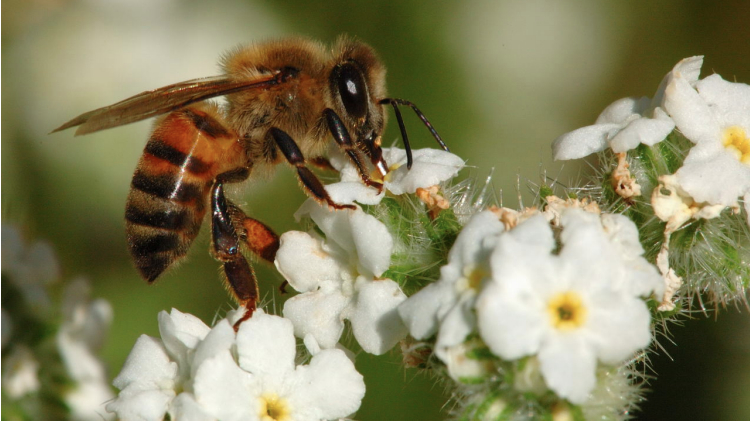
x=170, y=188
x=160, y=231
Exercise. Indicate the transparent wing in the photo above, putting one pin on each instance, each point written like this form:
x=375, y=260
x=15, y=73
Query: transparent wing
x=163, y=100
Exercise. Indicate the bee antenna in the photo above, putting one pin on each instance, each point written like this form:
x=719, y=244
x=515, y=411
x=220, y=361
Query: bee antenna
x=395, y=101
x=404, y=136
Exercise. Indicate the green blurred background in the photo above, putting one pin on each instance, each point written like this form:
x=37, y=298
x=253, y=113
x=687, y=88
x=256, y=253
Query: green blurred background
x=499, y=80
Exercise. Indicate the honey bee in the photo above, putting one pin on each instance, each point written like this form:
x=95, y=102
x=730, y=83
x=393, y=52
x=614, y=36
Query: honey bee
x=286, y=99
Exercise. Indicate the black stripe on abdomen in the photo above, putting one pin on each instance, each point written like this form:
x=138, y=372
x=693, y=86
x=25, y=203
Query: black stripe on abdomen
x=206, y=124
x=162, y=219
x=170, y=187
x=162, y=150
x=149, y=245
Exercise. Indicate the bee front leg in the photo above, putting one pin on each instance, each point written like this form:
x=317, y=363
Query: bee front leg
x=342, y=137
x=240, y=276
x=294, y=156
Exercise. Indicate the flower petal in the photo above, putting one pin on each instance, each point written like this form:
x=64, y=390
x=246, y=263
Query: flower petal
x=512, y=325
x=141, y=405
x=582, y=142
x=719, y=179
x=458, y=323
x=328, y=388
x=474, y=243
x=220, y=338
x=690, y=112
x=641, y=131
x=185, y=408
x=623, y=233
x=318, y=313
x=356, y=191
x=81, y=363
x=147, y=367
x=643, y=278
x=568, y=367
x=266, y=345
x=373, y=241
x=618, y=326
x=688, y=69
x=305, y=264
x=356, y=232
x=146, y=382
x=431, y=167
x=421, y=312
x=731, y=99
x=623, y=111
x=224, y=390
x=180, y=332
x=87, y=400
x=375, y=320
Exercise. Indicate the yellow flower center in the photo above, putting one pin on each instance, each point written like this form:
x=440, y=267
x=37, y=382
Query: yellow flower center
x=567, y=311
x=737, y=142
x=472, y=278
x=274, y=408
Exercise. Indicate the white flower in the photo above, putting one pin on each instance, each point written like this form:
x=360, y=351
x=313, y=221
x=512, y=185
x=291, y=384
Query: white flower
x=20, y=373
x=156, y=368
x=430, y=167
x=79, y=338
x=30, y=268
x=338, y=279
x=570, y=310
x=715, y=115
x=446, y=306
x=627, y=122
x=197, y=373
x=265, y=384
x=463, y=365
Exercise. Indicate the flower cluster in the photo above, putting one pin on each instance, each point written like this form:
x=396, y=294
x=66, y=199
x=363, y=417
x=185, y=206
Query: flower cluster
x=692, y=178
x=564, y=288
x=340, y=274
x=547, y=312
x=558, y=296
x=196, y=372
x=50, y=344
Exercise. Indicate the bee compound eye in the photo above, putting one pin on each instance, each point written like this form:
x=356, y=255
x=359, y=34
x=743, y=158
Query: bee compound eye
x=351, y=86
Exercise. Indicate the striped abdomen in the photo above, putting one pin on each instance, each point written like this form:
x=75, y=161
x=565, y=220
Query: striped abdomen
x=170, y=188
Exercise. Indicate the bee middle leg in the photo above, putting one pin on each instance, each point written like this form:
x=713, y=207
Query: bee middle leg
x=294, y=156
x=230, y=226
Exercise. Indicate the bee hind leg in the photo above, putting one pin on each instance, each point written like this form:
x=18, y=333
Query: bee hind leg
x=230, y=227
x=294, y=156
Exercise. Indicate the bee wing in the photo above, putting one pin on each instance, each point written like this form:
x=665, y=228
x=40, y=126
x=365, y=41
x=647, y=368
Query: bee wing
x=162, y=100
